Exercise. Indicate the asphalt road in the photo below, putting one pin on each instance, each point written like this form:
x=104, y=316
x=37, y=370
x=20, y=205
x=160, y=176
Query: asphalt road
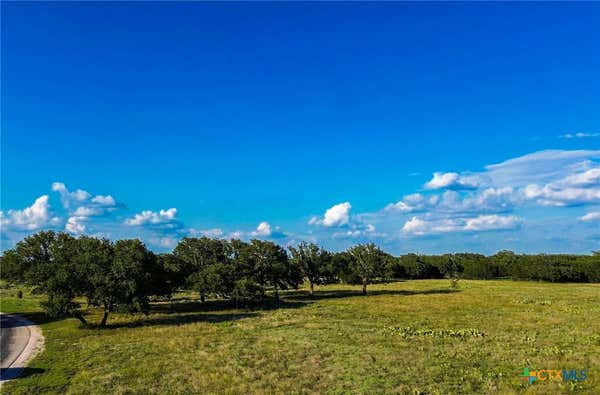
x=15, y=334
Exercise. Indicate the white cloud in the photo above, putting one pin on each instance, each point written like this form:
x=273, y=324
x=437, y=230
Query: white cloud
x=553, y=195
x=578, y=135
x=491, y=222
x=262, y=230
x=211, y=233
x=419, y=227
x=68, y=197
x=454, y=203
x=82, y=207
x=337, y=215
x=400, y=206
x=488, y=200
x=164, y=242
x=551, y=177
x=547, y=178
x=413, y=202
x=34, y=217
x=162, y=229
x=441, y=180
x=84, y=211
x=236, y=235
x=452, y=181
x=349, y=234
x=540, y=167
x=81, y=204
x=586, y=178
x=590, y=217
x=148, y=217
x=367, y=231
x=415, y=226
x=104, y=200
x=75, y=225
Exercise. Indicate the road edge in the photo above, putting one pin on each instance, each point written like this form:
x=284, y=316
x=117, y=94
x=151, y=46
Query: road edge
x=34, y=346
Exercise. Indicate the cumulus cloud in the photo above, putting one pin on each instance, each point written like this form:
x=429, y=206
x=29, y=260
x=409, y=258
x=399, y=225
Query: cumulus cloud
x=420, y=227
x=80, y=197
x=415, y=226
x=335, y=216
x=75, y=225
x=104, y=200
x=148, y=217
x=82, y=206
x=593, y=216
x=84, y=211
x=161, y=228
x=451, y=203
x=262, y=230
x=486, y=200
x=550, y=196
x=34, y=217
x=590, y=177
x=413, y=202
x=551, y=177
x=68, y=197
x=452, y=181
x=575, y=189
x=491, y=222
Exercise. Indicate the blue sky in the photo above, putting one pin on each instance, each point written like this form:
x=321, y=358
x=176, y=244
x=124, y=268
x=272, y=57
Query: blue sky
x=327, y=122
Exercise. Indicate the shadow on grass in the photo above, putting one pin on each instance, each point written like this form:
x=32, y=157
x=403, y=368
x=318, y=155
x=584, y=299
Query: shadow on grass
x=185, y=310
x=319, y=295
x=180, y=306
x=289, y=300
x=179, y=320
x=19, y=373
x=37, y=317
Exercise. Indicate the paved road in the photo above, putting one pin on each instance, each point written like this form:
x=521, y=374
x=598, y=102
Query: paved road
x=19, y=338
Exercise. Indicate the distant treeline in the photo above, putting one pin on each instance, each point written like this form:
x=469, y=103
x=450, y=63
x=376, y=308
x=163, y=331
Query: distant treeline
x=503, y=264
x=124, y=275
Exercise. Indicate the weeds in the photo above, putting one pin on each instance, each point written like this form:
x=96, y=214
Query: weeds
x=406, y=332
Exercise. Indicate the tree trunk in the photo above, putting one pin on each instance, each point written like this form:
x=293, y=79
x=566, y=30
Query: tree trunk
x=312, y=288
x=262, y=293
x=364, y=288
x=80, y=318
x=202, y=298
x=105, y=316
x=276, y=293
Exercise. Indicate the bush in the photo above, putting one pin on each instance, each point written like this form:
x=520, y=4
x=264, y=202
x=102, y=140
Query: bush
x=247, y=292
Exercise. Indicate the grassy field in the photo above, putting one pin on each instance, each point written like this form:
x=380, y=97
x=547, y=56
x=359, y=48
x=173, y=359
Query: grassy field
x=476, y=339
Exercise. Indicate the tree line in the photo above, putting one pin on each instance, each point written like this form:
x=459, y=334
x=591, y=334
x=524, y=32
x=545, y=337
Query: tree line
x=124, y=275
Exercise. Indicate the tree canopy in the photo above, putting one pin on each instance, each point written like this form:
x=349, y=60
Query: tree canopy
x=76, y=273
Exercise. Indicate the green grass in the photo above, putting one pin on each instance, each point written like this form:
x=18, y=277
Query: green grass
x=405, y=337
